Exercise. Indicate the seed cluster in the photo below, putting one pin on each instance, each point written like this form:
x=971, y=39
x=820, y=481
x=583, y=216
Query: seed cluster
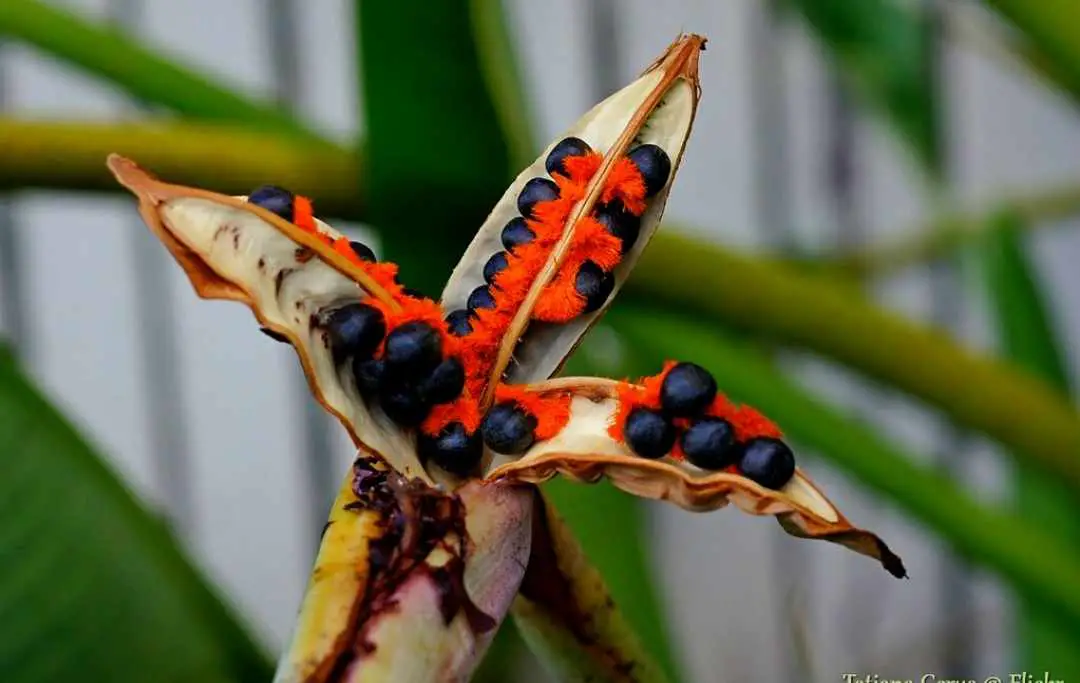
x=405, y=361
x=427, y=372
x=680, y=413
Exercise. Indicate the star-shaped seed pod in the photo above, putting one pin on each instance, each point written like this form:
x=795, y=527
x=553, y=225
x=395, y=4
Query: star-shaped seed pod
x=452, y=406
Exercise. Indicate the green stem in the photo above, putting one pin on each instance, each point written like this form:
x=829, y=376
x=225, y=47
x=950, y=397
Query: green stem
x=973, y=389
x=64, y=155
x=1035, y=562
x=125, y=62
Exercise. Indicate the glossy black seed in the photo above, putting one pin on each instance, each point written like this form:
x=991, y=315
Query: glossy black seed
x=619, y=222
x=454, y=449
x=535, y=191
x=355, y=330
x=710, y=444
x=655, y=167
x=480, y=298
x=768, y=462
x=516, y=232
x=274, y=199
x=459, y=322
x=495, y=265
x=412, y=350
x=445, y=382
x=594, y=284
x=368, y=374
x=648, y=433
x=403, y=404
x=687, y=391
x=363, y=251
x=508, y=429
x=567, y=147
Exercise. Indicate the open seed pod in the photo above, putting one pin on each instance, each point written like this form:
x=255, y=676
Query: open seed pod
x=452, y=407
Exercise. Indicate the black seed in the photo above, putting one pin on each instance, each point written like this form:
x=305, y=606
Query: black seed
x=363, y=251
x=710, y=444
x=368, y=374
x=687, y=391
x=355, y=330
x=459, y=322
x=412, y=350
x=768, y=462
x=594, y=284
x=655, y=167
x=516, y=232
x=567, y=147
x=535, y=191
x=403, y=404
x=274, y=199
x=508, y=429
x=444, y=383
x=619, y=222
x=648, y=433
x=453, y=449
x=480, y=298
x=495, y=265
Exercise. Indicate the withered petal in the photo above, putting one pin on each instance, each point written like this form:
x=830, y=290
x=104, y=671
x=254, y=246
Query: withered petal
x=585, y=451
x=234, y=250
x=410, y=582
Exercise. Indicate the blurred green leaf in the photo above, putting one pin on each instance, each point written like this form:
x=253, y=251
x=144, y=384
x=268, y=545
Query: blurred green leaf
x=1002, y=542
x=436, y=160
x=93, y=587
x=147, y=76
x=784, y=305
x=880, y=46
x=1051, y=29
x=1027, y=337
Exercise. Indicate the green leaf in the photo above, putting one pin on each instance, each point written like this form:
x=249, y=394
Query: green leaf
x=147, y=76
x=436, y=159
x=881, y=47
x=768, y=299
x=1005, y=543
x=1026, y=332
x=1051, y=30
x=92, y=586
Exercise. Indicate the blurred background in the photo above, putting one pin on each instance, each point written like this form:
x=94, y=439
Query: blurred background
x=937, y=142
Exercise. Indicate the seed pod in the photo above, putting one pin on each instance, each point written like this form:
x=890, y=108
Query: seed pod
x=656, y=109
x=586, y=450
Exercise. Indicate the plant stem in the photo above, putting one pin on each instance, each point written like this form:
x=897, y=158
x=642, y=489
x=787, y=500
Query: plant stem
x=147, y=76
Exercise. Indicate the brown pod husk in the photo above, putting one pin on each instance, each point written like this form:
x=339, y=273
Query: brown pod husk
x=585, y=451
x=238, y=251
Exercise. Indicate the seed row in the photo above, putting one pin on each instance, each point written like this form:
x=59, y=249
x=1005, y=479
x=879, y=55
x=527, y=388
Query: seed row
x=679, y=413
